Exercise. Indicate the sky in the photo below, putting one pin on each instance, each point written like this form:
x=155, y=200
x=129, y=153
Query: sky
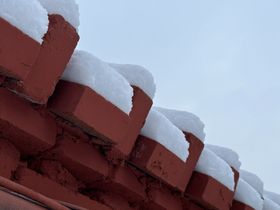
x=218, y=59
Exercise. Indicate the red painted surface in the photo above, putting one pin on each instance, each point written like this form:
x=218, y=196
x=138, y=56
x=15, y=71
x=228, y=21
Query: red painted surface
x=161, y=198
x=25, y=127
x=9, y=157
x=236, y=205
x=55, y=52
x=189, y=205
x=47, y=187
x=209, y=193
x=18, y=52
x=156, y=160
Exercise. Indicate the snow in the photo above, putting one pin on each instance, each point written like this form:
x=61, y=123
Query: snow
x=253, y=180
x=137, y=76
x=212, y=165
x=88, y=70
x=273, y=196
x=185, y=121
x=68, y=9
x=28, y=16
x=246, y=194
x=158, y=128
x=270, y=205
x=227, y=155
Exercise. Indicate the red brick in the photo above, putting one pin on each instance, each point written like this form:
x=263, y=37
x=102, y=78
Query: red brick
x=160, y=198
x=114, y=201
x=49, y=188
x=18, y=52
x=26, y=128
x=236, y=177
x=236, y=205
x=56, y=172
x=98, y=117
x=9, y=158
x=189, y=205
x=156, y=160
x=125, y=181
x=81, y=159
x=56, y=50
x=209, y=193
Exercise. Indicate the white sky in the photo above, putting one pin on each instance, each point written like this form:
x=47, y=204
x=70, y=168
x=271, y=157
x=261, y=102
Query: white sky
x=219, y=59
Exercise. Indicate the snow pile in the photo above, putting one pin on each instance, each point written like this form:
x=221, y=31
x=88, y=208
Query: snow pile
x=212, y=165
x=270, y=205
x=227, y=155
x=86, y=69
x=68, y=9
x=253, y=180
x=246, y=194
x=27, y=15
x=137, y=76
x=160, y=129
x=272, y=196
x=185, y=121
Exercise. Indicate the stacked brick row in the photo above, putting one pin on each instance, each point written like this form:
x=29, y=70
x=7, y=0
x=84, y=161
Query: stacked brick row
x=65, y=141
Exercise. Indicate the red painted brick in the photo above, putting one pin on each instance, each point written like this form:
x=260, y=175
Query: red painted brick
x=236, y=205
x=156, y=160
x=9, y=158
x=209, y=193
x=114, y=201
x=160, y=198
x=26, y=128
x=189, y=205
x=98, y=117
x=81, y=159
x=47, y=187
x=236, y=177
x=125, y=181
x=18, y=52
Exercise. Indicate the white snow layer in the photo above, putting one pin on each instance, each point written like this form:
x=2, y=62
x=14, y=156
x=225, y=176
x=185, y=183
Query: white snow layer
x=86, y=69
x=157, y=127
x=227, y=155
x=27, y=15
x=253, y=180
x=273, y=196
x=68, y=9
x=246, y=194
x=212, y=165
x=270, y=205
x=137, y=76
x=185, y=121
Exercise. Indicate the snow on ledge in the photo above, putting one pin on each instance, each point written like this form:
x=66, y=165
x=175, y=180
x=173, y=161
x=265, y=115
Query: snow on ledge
x=137, y=76
x=161, y=130
x=270, y=205
x=246, y=194
x=227, y=155
x=86, y=69
x=185, y=121
x=212, y=165
x=27, y=15
x=68, y=9
x=253, y=180
x=272, y=196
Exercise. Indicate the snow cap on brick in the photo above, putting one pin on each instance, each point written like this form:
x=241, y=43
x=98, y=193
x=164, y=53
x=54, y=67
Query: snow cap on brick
x=88, y=70
x=68, y=9
x=137, y=76
x=272, y=196
x=228, y=155
x=270, y=205
x=253, y=180
x=161, y=130
x=212, y=165
x=185, y=121
x=246, y=194
x=28, y=16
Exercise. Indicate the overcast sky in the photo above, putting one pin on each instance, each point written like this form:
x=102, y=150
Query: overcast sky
x=219, y=59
